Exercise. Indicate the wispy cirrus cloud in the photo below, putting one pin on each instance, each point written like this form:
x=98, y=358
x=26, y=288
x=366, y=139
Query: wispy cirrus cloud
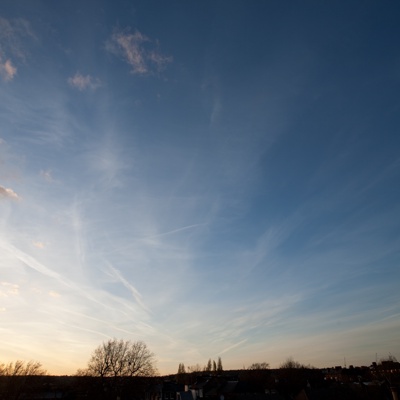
x=13, y=32
x=12, y=35
x=7, y=193
x=7, y=70
x=82, y=82
x=7, y=289
x=47, y=175
x=39, y=245
x=139, y=51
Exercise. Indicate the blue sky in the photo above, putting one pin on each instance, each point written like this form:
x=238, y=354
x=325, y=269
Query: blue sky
x=218, y=179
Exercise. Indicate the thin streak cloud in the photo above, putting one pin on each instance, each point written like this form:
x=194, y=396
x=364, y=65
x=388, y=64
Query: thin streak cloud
x=137, y=296
x=233, y=346
x=32, y=262
x=184, y=228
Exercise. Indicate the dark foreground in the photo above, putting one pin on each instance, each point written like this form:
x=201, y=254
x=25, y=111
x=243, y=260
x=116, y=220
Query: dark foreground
x=281, y=384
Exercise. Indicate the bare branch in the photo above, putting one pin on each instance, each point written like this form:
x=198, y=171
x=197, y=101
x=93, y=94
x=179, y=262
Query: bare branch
x=116, y=358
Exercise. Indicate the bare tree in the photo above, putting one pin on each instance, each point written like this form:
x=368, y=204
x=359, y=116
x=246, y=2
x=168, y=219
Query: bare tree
x=290, y=363
x=22, y=368
x=17, y=376
x=263, y=365
x=117, y=358
x=194, y=368
x=292, y=377
x=141, y=360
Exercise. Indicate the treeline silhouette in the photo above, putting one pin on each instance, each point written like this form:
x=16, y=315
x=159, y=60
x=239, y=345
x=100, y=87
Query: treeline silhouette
x=125, y=370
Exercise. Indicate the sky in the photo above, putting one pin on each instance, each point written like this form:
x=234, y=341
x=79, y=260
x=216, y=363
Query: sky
x=214, y=178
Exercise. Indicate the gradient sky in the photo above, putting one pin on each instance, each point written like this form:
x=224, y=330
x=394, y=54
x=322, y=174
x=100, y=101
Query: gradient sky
x=216, y=178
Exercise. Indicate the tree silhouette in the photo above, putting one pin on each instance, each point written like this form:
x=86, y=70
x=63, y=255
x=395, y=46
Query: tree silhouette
x=290, y=363
x=292, y=377
x=117, y=358
x=263, y=365
x=17, y=377
x=181, y=369
x=21, y=368
x=219, y=365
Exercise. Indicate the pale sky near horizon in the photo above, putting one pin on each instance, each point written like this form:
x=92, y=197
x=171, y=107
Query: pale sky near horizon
x=215, y=178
